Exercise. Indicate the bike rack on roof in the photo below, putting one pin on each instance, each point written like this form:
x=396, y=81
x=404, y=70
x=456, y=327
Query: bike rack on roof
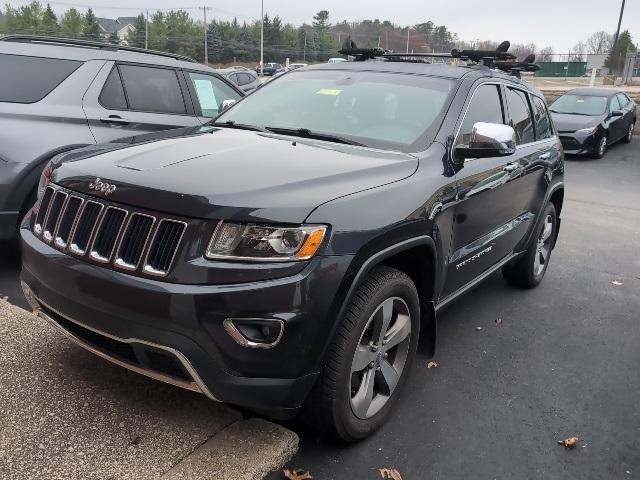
x=499, y=58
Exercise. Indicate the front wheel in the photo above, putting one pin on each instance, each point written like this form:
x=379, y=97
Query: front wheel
x=530, y=268
x=601, y=149
x=629, y=136
x=369, y=360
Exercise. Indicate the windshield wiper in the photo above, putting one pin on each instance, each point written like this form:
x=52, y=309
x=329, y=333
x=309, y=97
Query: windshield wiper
x=306, y=133
x=239, y=126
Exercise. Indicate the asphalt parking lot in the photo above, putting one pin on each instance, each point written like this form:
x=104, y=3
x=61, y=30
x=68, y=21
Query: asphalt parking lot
x=560, y=361
x=556, y=362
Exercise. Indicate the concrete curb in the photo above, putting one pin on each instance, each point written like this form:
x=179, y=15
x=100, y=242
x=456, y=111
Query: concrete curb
x=66, y=414
x=246, y=450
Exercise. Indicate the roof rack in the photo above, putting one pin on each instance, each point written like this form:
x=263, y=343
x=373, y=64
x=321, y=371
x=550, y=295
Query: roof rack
x=79, y=42
x=499, y=58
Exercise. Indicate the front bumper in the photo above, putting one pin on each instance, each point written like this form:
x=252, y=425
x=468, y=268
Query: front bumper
x=574, y=144
x=185, y=323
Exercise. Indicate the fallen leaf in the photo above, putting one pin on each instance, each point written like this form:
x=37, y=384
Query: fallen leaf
x=297, y=475
x=432, y=365
x=616, y=283
x=136, y=440
x=569, y=442
x=498, y=321
x=390, y=473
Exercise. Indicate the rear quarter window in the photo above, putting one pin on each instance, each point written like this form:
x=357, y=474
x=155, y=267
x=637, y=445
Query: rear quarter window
x=29, y=79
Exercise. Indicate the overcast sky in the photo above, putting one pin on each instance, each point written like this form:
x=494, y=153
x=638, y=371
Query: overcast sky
x=559, y=23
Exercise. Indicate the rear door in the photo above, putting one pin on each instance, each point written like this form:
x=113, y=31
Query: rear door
x=130, y=99
x=617, y=125
x=627, y=108
x=488, y=218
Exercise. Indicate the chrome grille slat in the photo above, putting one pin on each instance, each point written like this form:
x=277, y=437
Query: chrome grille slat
x=108, y=234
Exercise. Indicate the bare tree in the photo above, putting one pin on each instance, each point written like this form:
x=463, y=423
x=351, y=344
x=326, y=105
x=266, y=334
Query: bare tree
x=545, y=55
x=522, y=50
x=600, y=42
x=578, y=51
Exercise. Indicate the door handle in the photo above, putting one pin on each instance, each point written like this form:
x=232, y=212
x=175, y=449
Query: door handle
x=115, y=120
x=545, y=156
x=510, y=167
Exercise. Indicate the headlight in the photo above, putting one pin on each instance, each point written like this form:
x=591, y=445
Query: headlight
x=235, y=241
x=586, y=131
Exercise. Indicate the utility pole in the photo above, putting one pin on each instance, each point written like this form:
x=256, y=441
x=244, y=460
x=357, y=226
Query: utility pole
x=206, y=47
x=615, y=40
x=408, y=30
x=262, y=39
x=304, y=54
x=146, y=31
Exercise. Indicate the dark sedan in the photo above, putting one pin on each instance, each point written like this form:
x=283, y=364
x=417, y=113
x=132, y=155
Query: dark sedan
x=270, y=69
x=589, y=120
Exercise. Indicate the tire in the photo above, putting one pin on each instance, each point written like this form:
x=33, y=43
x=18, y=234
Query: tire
x=629, y=136
x=601, y=148
x=340, y=404
x=528, y=271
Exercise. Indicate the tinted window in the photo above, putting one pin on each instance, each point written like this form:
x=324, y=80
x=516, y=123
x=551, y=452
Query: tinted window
x=377, y=109
x=152, y=89
x=211, y=92
x=30, y=79
x=485, y=106
x=541, y=118
x=244, y=78
x=520, y=116
x=112, y=95
x=624, y=101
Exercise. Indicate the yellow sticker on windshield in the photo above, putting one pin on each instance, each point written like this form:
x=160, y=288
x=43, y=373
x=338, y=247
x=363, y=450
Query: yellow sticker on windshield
x=329, y=91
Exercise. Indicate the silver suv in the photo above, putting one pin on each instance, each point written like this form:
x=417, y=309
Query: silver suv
x=60, y=94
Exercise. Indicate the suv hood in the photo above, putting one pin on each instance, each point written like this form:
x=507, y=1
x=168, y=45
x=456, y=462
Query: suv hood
x=231, y=174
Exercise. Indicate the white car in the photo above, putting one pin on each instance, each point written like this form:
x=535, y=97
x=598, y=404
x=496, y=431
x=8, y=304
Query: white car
x=294, y=66
x=337, y=60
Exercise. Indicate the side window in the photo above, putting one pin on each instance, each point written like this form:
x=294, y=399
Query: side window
x=541, y=118
x=244, y=78
x=211, y=92
x=485, y=106
x=622, y=98
x=30, y=79
x=615, y=104
x=152, y=89
x=520, y=116
x=112, y=94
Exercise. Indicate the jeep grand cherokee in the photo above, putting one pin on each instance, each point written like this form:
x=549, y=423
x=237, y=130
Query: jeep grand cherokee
x=286, y=256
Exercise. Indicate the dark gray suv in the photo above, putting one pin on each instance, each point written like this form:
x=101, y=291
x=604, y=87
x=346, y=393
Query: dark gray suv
x=59, y=94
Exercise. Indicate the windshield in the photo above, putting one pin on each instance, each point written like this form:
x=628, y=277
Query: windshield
x=580, y=105
x=381, y=110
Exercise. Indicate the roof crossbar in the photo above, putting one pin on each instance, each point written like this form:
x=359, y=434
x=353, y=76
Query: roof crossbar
x=79, y=42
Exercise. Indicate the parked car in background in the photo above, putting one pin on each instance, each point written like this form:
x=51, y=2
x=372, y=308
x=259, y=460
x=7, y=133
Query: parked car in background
x=337, y=60
x=246, y=80
x=270, y=69
x=294, y=66
x=58, y=94
x=591, y=119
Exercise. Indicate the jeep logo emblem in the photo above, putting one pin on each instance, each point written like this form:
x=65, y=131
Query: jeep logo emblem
x=99, y=186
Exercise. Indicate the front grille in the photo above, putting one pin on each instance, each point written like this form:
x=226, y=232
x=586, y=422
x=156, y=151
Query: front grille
x=570, y=143
x=163, y=246
x=107, y=233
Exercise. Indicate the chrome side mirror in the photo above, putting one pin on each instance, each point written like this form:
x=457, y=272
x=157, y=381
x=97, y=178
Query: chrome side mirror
x=227, y=104
x=488, y=140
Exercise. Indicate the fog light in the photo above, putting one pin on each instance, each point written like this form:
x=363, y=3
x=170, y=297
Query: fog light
x=30, y=296
x=255, y=332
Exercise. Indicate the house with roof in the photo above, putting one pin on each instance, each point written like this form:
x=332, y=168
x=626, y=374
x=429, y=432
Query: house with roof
x=121, y=26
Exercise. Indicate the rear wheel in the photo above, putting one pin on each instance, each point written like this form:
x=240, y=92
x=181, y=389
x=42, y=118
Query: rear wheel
x=369, y=360
x=528, y=271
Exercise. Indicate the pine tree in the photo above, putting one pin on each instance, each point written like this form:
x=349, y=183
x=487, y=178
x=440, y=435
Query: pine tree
x=616, y=59
x=91, y=27
x=114, y=39
x=136, y=35
x=72, y=23
x=50, y=21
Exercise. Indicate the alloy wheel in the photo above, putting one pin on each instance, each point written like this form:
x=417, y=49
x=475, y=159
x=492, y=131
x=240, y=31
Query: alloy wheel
x=380, y=357
x=630, y=134
x=543, y=249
